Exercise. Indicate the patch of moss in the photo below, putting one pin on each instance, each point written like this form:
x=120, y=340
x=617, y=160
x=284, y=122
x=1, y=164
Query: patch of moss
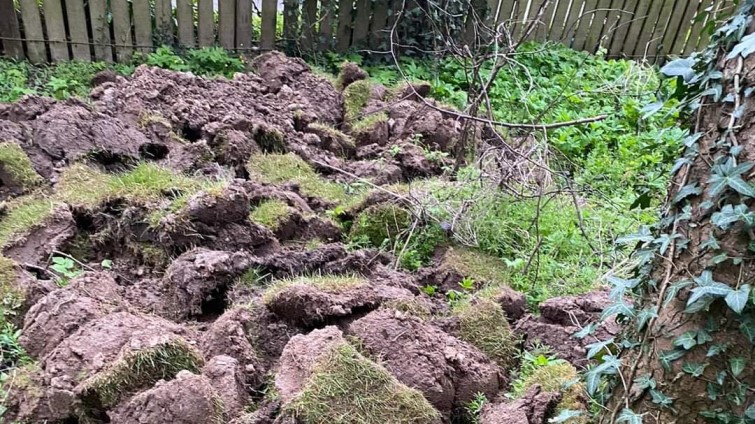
x=367, y=124
x=381, y=222
x=140, y=369
x=559, y=376
x=15, y=163
x=22, y=215
x=270, y=213
x=355, y=98
x=11, y=296
x=22, y=379
x=270, y=140
x=476, y=265
x=328, y=283
x=284, y=168
x=482, y=323
x=410, y=306
x=347, y=388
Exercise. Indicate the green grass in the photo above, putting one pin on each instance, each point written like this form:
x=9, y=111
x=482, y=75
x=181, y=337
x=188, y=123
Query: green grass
x=366, y=124
x=270, y=213
x=11, y=296
x=347, y=388
x=482, y=323
x=381, y=223
x=355, y=98
x=557, y=376
x=328, y=283
x=16, y=164
x=23, y=214
x=140, y=369
x=480, y=267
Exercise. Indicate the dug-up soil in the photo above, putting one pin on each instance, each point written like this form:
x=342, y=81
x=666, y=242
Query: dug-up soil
x=210, y=279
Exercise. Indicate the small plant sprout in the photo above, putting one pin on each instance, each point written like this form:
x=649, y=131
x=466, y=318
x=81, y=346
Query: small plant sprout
x=467, y=284
x=106, y=264
x=395, y=150
x=474, y=407
x=65, y=270
x=429, y=290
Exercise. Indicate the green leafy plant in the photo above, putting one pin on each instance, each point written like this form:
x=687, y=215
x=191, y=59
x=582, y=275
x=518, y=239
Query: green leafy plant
x=467, y=284
x=65, y=269
x=429, y=290
x=474, y=407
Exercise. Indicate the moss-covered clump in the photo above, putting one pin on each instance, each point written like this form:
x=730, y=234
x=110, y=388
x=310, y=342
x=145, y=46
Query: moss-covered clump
x=347, y=388
x=11, y=296
x=355, y=98
x=335, y=140
x=410, y=306
x=367, y=124
x=327, y=283
x=380, y=223
x=559, y=376
x=280, y=169
x=22, y=215
x=476, y=265
x=482, y=323
x=270, y=140
x=17, y=168
x=270, y=213
x=140, y=369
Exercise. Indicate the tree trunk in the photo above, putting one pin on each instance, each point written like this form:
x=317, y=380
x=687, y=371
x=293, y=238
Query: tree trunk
x=692, y=362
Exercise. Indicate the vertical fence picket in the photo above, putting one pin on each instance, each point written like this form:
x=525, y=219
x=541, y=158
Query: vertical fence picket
x=100, y=30
x=635, y=28
x=582, y=28
x=556, y=30
x=325, y=36
x=595, y=31
x=545, y=21
x=343, y=29
x=243, y=24
x=379, y=26
x=56, y=30
x=651, y=17
x=268, y=26
x=704, y=34
x=185, y=18
x=309, y=25
x=572, y=21
x=206, y=24
x=290, y=21
x=164, y=20
x=121, y=30
x=361, y=22
x=77, y=30
x=655, y=45
x=10, y=31
x=625, y=23
x=227, y=21
x=615, y=17
x=142, y=25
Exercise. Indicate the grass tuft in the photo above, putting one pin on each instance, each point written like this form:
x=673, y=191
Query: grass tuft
x=355, y=98
x=270, y=213
x=478, y=266
x=347, y=388
x=367, y=124
x=15, y=163
x=11, y=297
x=558, y=376
x=23, y=214
x=381, y=223
x=482, y=323
x=328, y=283
x=140, y=369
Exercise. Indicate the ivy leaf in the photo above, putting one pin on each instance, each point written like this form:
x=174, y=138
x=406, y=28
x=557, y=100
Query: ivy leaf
x=694, y=369
x=673, y=290
x=585, y=331
x=595, y=348
x=643, y=235
x=652, y=109
x=744, y=48
x=716, y=184
x=629, y=417
x=750, y=412
x=619, y=308
x=666, y=357
x=565, y=416
x=660, y=399
x=687, y=191
x=610, y=365
x=716, y=349
x=680, y=68
x=710, y=242
x=737, y=299
x=737, y=365
x=644, y=316
x=687, y=340
x=645, y=382
x=703, y=337
x=681, y=161
x=740, y=186
x=748, y=329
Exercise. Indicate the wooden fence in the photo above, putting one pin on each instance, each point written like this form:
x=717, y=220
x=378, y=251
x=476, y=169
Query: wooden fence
x=111, y=30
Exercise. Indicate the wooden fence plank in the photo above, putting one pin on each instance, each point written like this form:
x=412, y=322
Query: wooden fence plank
x=100, y=30
x=56, y=30
x=693, y=28
x=142, y=25
x=77, y=30
x=543, y=26
x=268, y=27
x=33, y=31
x=243, y=24
x=185, y=18
x=227, y=18
x=518, y=18
x=674, y=23
x=652, y=16
x=206, y=26
x=655, y=45
x=559, y=17
x=379, y=24
x=704, y=34
x=325, y=37
x=291, y=21
x=614, y=19
x=592, y=42
x=164, y=21
x=622, y=29
x=361, y=22
x=343, y=30
x=583, y=26
x=680, y=38
x=635, y=28
x=572, y=21
x=9, y=29
x=309, y=25
x=121, y=30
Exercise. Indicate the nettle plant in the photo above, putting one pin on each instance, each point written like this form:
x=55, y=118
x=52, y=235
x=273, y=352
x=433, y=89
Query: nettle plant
x=687, y=309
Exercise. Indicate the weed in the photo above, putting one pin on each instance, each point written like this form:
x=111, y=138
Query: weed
x=381, y=223
x=367, y=124
x=65, y=269
x=429, y=290
x=18, y=167
x=11, y=295
x=254, y=277
x=467, y=284
x=474, y=407
x=395, y=150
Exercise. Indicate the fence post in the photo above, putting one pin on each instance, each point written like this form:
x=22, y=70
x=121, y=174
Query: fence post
x=9, y=30
x=226, y=16
x=243, y=24
x=185, y=17
x=206, y=23
x=343, y=31
x=268, y=28
x=121, y=30
x=56, y=30
x=143, y=25
x=325, y=36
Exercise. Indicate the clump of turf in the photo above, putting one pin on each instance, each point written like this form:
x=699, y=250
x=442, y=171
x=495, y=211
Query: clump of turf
x=380, y=223
x=16, y=165
x=410, y=306
x=328, y=283
x=347, y=388
x=476, y=265
x=22, y=215
x=11, y=296
x=140, y=369
x=270, y=140
x=559, y=376
x=483, y=323
x=270, y=213
x=355, y=98
x=367, y=124
x=337, y=138
x=283, y=168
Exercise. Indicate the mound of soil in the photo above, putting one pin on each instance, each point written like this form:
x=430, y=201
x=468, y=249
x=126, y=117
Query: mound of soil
x=213, y=287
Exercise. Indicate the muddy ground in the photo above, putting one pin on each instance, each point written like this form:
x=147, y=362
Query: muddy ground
x=238, y=299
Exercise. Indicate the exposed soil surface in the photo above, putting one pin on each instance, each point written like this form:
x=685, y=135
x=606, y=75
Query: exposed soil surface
x=225, y=289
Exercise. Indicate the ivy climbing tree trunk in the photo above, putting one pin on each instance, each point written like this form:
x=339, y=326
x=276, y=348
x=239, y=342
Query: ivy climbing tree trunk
x=686, y=355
